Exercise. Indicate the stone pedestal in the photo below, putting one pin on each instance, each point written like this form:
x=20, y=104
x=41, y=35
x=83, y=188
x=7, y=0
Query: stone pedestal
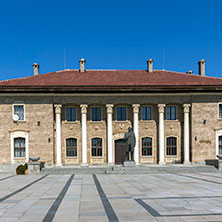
x=34, y=167
x=129, y=163
x=220, y=164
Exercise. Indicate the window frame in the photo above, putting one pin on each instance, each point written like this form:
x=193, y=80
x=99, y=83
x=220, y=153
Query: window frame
x=13, y=111
x=71, y=157
x=66, y=121
x=152, y=145
x=151, y=113
x=16, y=134
x=91, y=116
x=170, y=112
x=19, y=148
x=218, y=111
x=124, y=106
x=91, y=147
x=176, y=146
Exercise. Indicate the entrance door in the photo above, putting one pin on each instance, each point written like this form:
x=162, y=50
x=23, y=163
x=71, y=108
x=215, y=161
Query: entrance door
x=120, y=151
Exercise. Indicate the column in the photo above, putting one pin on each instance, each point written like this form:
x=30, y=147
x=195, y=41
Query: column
x=58, y=135
x=84, y=134
x=186, y=110
x=136, y=131
x=161, y=133
x=110, y=132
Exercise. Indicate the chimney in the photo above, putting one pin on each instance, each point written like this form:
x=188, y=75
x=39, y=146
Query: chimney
x=202, y=67
x=149, y=65
x=36, y=69
x=82, y=65
x=190, y=72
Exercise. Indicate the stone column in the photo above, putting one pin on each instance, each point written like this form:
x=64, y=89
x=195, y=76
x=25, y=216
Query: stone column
x=58, y=135
x=110, y=132
x=161, y=133
x=186, y=110
x=136, y=131
x=84, y=134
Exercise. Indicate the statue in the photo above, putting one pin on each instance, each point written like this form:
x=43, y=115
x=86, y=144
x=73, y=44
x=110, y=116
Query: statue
x=130, y=141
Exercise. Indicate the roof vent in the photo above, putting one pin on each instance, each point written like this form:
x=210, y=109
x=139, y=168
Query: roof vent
x=202, y=67
x=190, y=72
x=149, y=65
x=36, y=69
x=82, y=65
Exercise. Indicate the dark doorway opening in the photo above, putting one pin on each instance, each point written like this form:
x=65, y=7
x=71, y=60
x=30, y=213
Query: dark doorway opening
x=120, y=151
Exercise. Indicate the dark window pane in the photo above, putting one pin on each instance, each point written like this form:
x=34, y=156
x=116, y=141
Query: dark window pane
x=171, y=112
x=220, y=145
x=19, y=147
x=96, y=147
x=171, y=146
x=146, y=113
x=71, y=147
x=121, y=113
x=71, y=114
x=220, y=111
x=96, y=113
x=147, y=146
x=19, y=111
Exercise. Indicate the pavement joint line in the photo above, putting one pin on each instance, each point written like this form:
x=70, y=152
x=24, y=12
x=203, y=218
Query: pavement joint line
x=148, y=208
x=196, y=178
x=5, y=178
x=155, y=213
x=206, y=175
x=21, y=189
x=53, y=209
x=172, y=198
x=106, y=204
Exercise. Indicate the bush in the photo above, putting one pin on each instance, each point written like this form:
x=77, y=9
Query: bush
x=20, y=170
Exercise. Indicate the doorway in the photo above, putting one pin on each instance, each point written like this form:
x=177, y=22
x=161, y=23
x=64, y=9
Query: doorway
x=120, y=151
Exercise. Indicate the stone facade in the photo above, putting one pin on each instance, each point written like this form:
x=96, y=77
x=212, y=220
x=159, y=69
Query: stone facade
x=40, y=126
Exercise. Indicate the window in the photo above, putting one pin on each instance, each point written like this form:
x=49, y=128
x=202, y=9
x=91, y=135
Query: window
x=171, y=146
x=220, y=145
x=96, y=113
x=121, y=113
x=19, y=147
x=147, y=146
x=96, y=147
x=220, y=111
x=71, y=147
x=171, y=112
x=70, y=114
x=146, y=113
x=19, y=111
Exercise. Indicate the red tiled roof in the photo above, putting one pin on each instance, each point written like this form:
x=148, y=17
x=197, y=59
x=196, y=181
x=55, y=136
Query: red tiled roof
x=113, y=79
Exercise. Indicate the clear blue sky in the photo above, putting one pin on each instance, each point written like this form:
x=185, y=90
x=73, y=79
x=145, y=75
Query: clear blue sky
x=115, y=34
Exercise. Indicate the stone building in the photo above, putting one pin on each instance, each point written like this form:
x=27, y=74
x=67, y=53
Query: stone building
x=78, y=117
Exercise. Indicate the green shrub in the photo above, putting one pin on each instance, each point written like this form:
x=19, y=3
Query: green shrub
x=20, y=170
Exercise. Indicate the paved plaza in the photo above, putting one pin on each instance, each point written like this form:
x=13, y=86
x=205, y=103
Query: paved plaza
x=149, y=197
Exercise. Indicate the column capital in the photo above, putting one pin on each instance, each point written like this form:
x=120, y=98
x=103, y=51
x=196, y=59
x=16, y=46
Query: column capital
x=161, y=108
x=83, y=108
x=58, y=108
x=109, y=108
x=186, y=108
x=136, y=108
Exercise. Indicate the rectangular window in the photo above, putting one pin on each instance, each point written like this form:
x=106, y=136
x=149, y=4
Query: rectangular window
x=96, y=147
x=147, y=146
x=171, y=112
x=220, y=111
x=19, y=147
x=121, y=113
x=70, y=114
x=146, y=113
x=171, y=146
x=19, y=111
x=96, y=113
x=71, y=147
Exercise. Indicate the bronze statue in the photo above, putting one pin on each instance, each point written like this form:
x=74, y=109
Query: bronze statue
x=130, y=141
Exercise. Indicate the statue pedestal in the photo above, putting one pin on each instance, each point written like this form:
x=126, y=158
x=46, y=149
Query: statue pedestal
x=129, y=163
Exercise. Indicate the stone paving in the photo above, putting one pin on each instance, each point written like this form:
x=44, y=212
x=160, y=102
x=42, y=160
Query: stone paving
x=148, y=197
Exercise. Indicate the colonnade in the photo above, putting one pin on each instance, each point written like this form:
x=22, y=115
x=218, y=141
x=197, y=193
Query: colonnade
x=135, y=107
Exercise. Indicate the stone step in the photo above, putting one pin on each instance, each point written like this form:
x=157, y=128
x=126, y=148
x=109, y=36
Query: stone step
x=130, y=170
